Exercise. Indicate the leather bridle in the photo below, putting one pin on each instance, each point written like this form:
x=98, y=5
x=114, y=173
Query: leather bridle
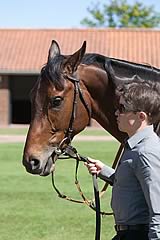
x=66, y=150
x=77, y=94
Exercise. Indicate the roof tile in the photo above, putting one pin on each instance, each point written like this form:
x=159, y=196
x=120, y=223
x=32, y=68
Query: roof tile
x=26, y=50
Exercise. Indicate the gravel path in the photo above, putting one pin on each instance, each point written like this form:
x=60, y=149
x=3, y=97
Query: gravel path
x=21, y=138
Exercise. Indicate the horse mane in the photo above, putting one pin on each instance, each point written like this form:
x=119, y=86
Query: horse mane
x=119, y=71
x=94, y=58
x=125, y=68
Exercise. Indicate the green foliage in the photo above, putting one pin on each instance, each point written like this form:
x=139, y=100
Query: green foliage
x=31, y=210
x=119, y=13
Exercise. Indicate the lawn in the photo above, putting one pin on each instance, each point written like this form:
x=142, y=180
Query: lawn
x=31, y=210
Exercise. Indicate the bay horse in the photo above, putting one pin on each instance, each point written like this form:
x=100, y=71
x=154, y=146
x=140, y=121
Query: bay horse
x=70, y=90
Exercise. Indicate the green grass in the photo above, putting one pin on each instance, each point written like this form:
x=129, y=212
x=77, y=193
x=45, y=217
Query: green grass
x=31, y=210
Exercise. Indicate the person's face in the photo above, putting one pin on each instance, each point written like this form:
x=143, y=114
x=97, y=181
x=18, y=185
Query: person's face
x=127, y=121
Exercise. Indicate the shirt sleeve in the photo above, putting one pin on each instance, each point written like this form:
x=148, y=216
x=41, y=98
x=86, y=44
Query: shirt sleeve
x=148, y=174
x=107, y=174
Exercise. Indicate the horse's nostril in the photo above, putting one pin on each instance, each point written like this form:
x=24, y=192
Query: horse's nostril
x=35, y=163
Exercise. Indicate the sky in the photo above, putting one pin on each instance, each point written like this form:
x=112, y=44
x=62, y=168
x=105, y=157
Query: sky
x=50, y=13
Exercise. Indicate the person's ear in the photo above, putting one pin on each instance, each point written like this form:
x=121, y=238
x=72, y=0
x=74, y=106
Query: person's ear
x=143, y=116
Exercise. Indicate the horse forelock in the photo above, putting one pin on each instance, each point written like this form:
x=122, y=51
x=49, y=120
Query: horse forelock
x=51, y=75
x=52, y=72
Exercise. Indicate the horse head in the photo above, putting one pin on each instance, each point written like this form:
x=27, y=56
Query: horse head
x=60, y=108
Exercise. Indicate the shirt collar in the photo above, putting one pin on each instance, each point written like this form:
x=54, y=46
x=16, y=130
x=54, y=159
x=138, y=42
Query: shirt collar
x=139, y=136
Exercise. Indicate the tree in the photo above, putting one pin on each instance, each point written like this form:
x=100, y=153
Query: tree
x=119, y=14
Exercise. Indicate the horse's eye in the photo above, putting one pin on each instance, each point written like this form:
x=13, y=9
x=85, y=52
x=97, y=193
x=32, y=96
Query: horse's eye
x=56, y=102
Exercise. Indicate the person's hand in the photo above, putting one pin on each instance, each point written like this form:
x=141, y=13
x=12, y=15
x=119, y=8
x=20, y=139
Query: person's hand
x=94, y=166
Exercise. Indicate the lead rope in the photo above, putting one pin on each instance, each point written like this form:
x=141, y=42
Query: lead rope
x=78, y=158
x=85, y=200
x=95, y=206
x=98, y=207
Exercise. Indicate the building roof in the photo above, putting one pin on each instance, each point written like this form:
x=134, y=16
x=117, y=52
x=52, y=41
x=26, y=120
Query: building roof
x=26, y=50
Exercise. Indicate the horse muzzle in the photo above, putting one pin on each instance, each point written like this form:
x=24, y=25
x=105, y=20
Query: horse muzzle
x=36, y=166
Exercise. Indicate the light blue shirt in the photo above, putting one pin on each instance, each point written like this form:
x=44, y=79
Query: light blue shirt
x=136, y=182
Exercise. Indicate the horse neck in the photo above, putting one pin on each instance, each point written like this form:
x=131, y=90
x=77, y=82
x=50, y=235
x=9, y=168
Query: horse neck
x=102, y=97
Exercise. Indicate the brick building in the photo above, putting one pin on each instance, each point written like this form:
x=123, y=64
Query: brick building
x=24, y=51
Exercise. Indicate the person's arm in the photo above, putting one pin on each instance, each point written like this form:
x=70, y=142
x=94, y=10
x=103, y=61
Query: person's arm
x=148, y=174
x=107, y=174
x=103, y=171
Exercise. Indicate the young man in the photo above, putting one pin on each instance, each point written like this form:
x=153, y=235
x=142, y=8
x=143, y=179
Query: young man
x=136, y=181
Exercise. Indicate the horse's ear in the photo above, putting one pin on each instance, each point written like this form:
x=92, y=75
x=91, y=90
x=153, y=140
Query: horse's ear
x=74, y=60
x=53, y=50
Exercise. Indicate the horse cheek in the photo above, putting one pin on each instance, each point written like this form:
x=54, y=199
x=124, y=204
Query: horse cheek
x=82, y=119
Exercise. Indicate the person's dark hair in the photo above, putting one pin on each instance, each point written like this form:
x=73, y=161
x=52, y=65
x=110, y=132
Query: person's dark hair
x=140, y=95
